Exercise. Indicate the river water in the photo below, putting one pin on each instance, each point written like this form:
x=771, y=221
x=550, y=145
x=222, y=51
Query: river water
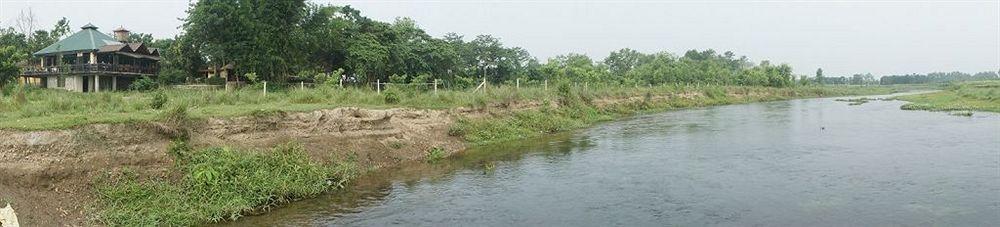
x=788, y=163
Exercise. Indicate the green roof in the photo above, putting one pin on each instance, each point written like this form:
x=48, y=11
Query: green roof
x=87, y=39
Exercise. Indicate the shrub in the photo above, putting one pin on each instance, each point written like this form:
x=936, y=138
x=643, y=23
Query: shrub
x=143, y=84
x=158, y=100
x=218, y=80
x=391, y=97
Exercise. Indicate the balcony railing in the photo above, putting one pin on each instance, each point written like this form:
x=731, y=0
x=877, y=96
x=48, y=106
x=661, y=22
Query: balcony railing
x=90, y=68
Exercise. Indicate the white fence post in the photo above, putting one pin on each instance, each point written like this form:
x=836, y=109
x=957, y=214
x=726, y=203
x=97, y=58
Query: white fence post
x=435, y=86
x=546, y=85
x=265, y=88
x=378, y=86
x=517, y=83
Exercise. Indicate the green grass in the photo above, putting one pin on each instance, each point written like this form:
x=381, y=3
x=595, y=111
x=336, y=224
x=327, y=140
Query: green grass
x=40, y=109
x=968, y=96
x=215, y=184
x=578, y=110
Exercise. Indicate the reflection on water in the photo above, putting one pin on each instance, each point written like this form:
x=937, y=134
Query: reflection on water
x=800, y=162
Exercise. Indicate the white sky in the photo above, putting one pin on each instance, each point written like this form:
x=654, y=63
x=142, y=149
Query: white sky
x=842, y=37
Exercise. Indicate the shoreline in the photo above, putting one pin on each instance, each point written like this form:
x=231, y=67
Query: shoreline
x=63, y=172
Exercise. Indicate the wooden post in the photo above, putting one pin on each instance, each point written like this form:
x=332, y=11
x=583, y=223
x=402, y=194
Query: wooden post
x=517, y=83
x=378, y=86
x=341, y=81
x=302, y=85
x=435, y=86
x=265, y=88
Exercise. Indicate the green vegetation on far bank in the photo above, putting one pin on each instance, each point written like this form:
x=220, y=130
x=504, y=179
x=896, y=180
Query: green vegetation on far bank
x=968, y=96
x=216, y=184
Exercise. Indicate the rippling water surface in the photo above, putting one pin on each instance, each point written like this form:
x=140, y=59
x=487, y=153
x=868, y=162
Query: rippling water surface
x=789, y=163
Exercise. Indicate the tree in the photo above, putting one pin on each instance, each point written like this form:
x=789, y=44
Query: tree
x=622, y=61
x=9, y=57
x=262, y=37
x=819, y=76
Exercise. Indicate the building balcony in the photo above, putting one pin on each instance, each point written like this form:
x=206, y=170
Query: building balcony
x=98, y=69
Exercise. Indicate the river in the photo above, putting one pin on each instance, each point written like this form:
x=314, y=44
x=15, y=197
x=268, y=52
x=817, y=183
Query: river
x=787, y=163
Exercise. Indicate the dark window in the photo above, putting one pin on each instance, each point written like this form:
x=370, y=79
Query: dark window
x=61, y=82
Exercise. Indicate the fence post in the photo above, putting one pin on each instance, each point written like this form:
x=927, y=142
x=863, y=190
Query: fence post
x=265, y=88
x=546, y=85
x=302, y=85
x=378, y=86
x=517, y=83
x=435, y=86
x=341, y=81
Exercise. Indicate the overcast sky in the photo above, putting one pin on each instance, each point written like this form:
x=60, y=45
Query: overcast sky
x=842, y=37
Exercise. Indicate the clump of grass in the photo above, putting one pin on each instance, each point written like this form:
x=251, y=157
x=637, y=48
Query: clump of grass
x=216, y=184
x=157, y=100
x=435, y=154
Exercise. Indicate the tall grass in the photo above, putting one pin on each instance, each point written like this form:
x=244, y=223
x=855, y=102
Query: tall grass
x=215, y=184
x=54, y=109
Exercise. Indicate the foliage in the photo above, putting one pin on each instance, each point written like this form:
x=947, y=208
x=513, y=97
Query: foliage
x=216, y=80
x=158, y=100
x=9, y=57
x=937, y=77
x=391, y=97
x=435, y=154
x=216, y=184
x=143, y=84
x=53, y=109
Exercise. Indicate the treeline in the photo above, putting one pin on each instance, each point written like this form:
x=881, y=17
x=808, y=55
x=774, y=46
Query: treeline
x=279, y=41
x=937, y=77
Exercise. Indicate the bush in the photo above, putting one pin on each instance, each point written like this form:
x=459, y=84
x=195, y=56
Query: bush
x=218, y=80
x=391, y=97
x=158, y=100
x=143, y=84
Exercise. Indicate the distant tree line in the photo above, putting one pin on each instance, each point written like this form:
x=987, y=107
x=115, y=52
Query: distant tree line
x=279, y=40
x=937, y=77
x=276, y=41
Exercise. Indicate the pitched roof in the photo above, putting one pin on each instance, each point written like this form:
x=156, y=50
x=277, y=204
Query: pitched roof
x=113, y=48
x=86, y=39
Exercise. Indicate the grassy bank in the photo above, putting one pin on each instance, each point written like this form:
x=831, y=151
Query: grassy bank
x=39, y=109
x=968, y=96
x=578, y=108
x=216, y=184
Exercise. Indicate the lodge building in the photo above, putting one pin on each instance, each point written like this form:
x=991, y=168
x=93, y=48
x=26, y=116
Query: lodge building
x=91, y=61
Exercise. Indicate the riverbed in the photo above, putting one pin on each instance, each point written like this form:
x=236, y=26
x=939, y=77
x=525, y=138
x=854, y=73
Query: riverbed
x=787, y=163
